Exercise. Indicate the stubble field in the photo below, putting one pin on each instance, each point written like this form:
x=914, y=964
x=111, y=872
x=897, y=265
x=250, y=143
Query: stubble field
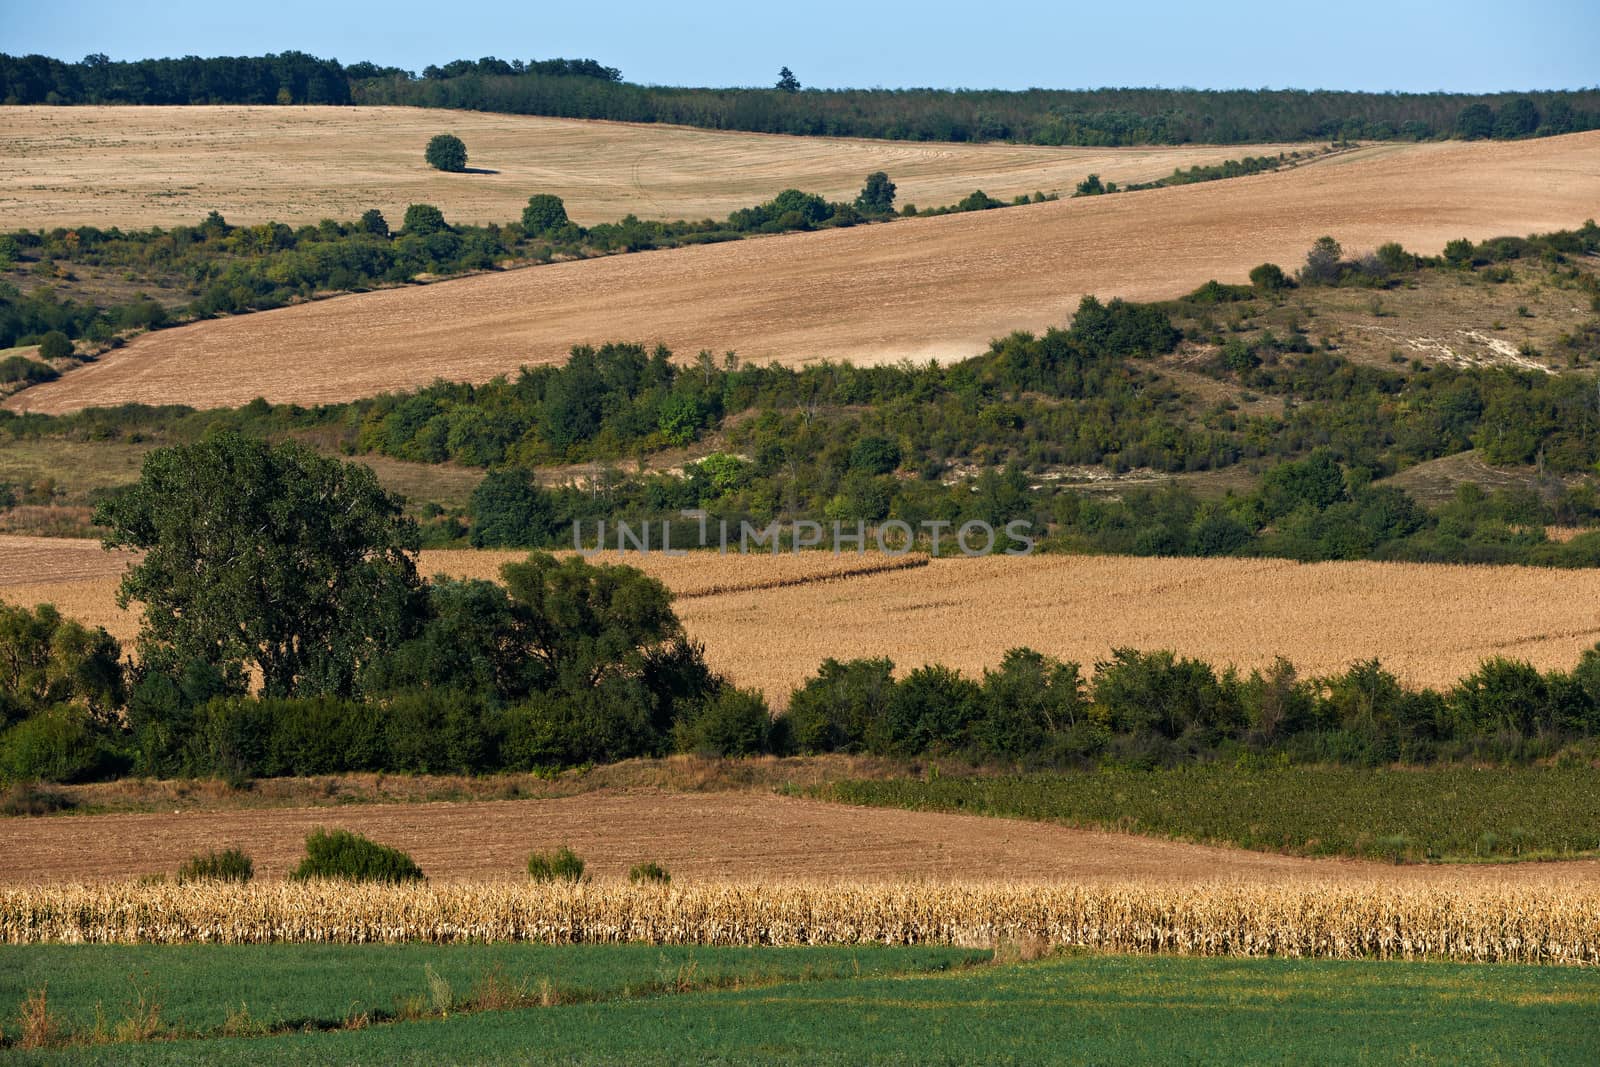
x=769, y=621
x=156, y=166
x=915, y=289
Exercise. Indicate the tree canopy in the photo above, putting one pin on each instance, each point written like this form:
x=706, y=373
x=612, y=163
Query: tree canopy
x=446, y=152
x=877, y=196
x=264, y=558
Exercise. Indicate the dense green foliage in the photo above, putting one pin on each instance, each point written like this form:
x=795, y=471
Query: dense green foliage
x=264, y=558
x=1036, y=116
x=213, y=990
x=274, y=562
x=585, y=88
x=1076, y=1009
x=1143, y=709
x=14, y=369
x=446, y=152
x=60, y=687
x=288, y=78
x=354, y=858
x=1454, y=813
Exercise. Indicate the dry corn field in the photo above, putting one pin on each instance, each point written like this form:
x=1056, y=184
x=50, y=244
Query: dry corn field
x=155, y=166
x=1539, y=925
x=769, y=621
x=915, y=289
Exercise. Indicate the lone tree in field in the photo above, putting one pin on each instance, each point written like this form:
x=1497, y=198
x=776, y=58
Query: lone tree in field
x=877, y=196
x=265, y=558
x=446, y=152
x=543, y=214
x=787, y=82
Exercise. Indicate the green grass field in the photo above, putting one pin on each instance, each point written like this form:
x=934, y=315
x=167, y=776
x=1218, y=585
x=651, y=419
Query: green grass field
x=1072, y=1009
x=1451, y=813
x=210, y=989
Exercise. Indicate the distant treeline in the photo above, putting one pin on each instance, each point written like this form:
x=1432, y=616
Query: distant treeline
x=585, y=88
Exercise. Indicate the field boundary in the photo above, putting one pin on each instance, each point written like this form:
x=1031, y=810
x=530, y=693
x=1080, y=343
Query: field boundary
x=864, y=570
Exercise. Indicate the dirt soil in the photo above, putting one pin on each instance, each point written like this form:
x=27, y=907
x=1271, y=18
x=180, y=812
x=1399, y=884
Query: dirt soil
x=726, y=836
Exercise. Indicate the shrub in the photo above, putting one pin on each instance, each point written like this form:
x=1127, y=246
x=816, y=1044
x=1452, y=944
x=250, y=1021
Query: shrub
x=1459, y=253
x=1269, y=278
x=1029, y=697
x=559, y=865
x=932, y=709
x=23, y=369
x=422, y=220
x=446, y=152
x=1323, y=263
x=875, y=455
x=735, y=722
x=841, y=707
x=978, y=200
x=28, y=798
x=373, y=222
x=342, y=854
x=649, y=873
x=1119, y=328
x=543, y=214
x=58, y=745
x=55, y=345
x=1157, y=694
x=229, y=865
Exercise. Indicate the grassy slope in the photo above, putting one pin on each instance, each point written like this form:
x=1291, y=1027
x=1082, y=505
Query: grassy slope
x=1450, y=813
x=1074, y=1009
x=199, y=987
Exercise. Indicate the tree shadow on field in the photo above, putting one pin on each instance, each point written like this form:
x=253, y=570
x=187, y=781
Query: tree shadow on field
x=478, y=170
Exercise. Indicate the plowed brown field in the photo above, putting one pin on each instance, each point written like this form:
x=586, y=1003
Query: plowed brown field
x=155, y=166
x=723, y=836
x=768, y=622
x=914, y=289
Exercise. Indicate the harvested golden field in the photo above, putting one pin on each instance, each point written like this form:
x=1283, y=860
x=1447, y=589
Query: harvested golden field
x=156, y=166
x=1430, y=624
x=769, y=621
x=913, y=289
x=1549, y=925
x=731, y=836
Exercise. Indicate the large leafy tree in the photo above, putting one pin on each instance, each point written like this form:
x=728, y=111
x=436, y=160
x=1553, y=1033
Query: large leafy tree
x=265, y=559
x=446, y=152
x=588, y=624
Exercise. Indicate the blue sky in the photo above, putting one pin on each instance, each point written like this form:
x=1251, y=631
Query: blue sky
x=1468, y=45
